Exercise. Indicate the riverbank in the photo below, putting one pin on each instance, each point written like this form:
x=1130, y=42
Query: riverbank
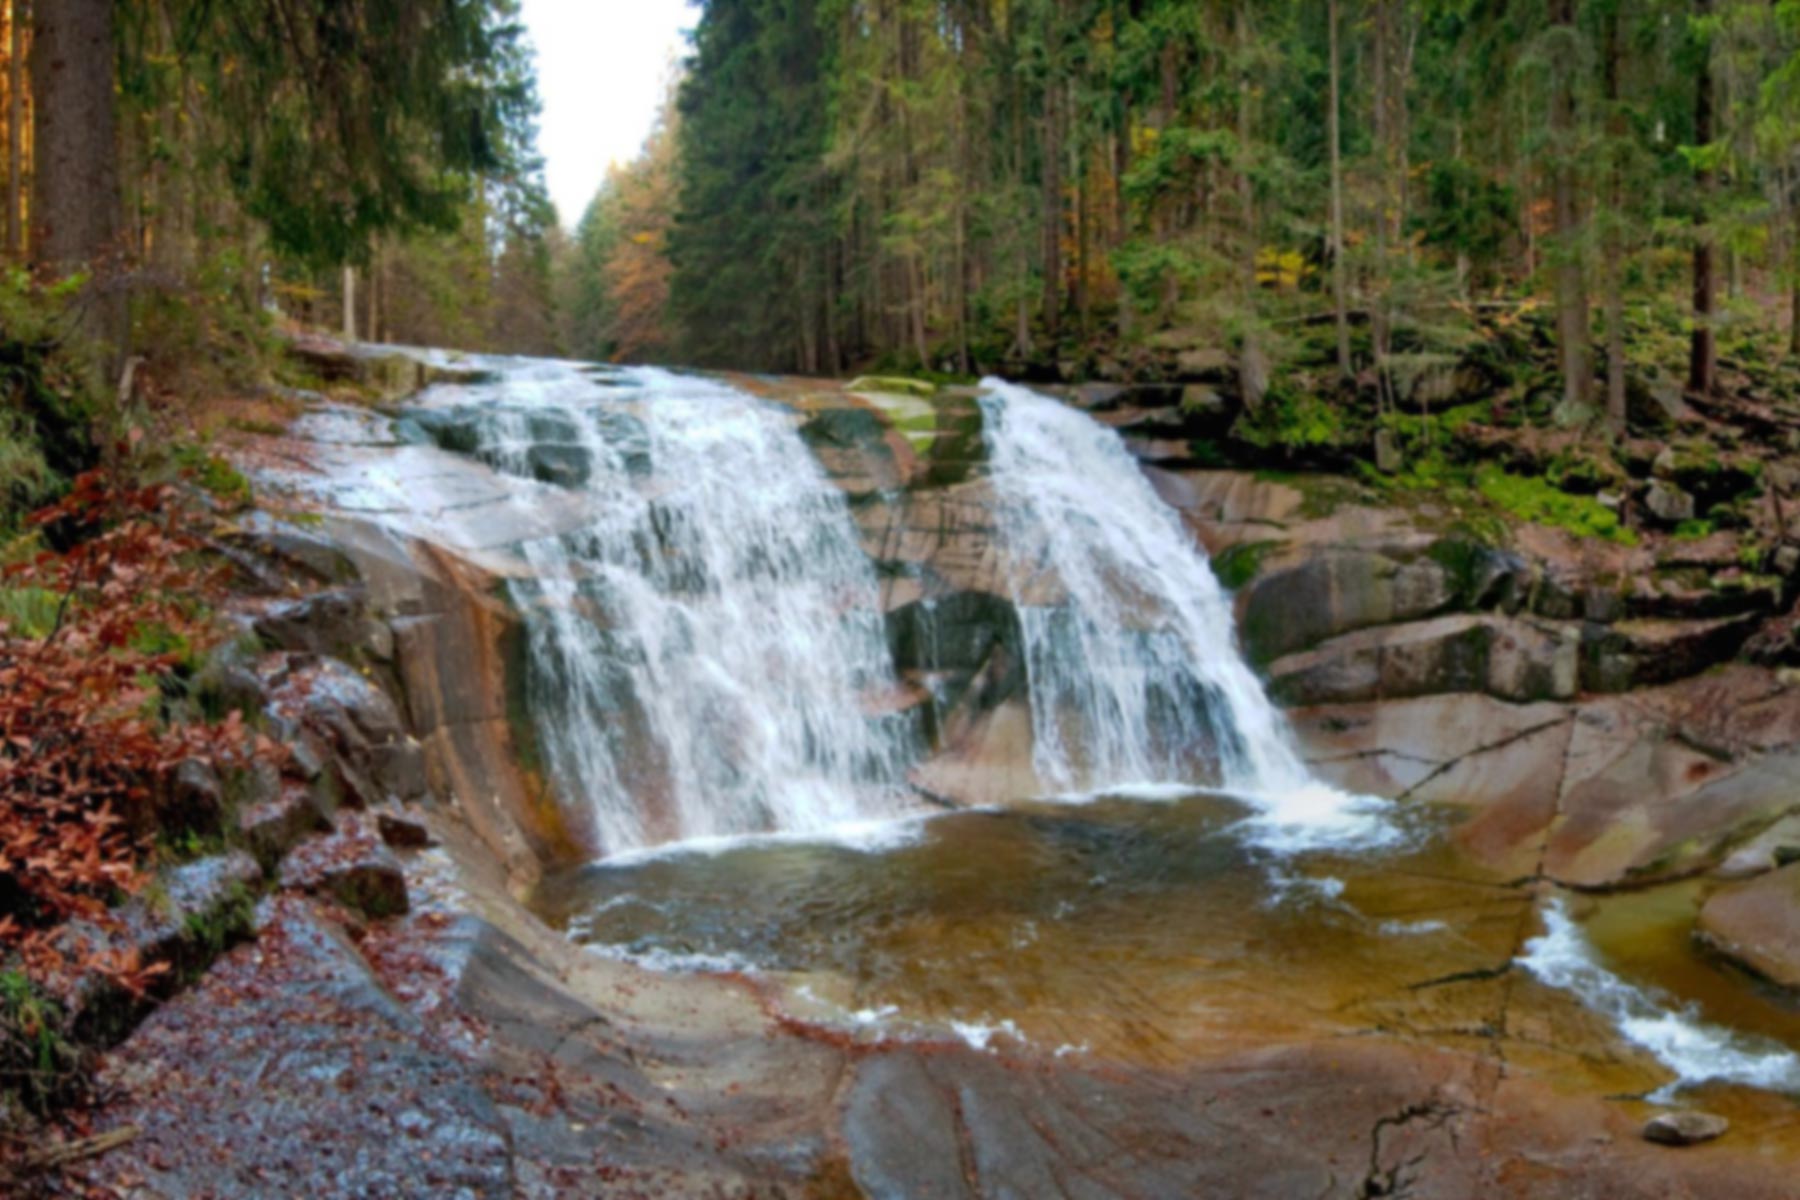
x=464, y=1043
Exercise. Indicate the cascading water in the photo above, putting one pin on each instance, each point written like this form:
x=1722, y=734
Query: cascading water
x=703, y=642
x=1131, y=652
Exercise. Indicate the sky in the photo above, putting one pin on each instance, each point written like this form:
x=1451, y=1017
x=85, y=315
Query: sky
x=602, y=68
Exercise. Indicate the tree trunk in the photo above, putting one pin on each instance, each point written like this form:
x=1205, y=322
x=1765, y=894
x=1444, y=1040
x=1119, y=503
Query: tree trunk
x=349, y=303
x=1571, y=288
x=1378, y=310
x=1252, y=369
x=1053, y=213
x=75, y=212
x=15, y=131
x=1794, y=286
x=1615, y=236
x=1334, y=134
x=1703, y=352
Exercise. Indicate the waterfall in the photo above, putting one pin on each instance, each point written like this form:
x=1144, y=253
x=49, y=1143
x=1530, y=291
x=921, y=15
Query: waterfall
x=1131, y=654
x=707, y=641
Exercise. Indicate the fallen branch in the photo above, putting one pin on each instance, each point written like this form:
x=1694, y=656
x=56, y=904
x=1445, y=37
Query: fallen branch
x=64, y=1153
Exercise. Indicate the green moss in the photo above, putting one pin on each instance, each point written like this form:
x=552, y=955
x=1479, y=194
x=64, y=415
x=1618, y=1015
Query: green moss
x=209, y=933
x=892, y=384
x=29, y=611
x=1237, y=565
x=39, y=1066
x=1693, y=529
x=222, y=480
x=1291, y=421
x=1536, y=500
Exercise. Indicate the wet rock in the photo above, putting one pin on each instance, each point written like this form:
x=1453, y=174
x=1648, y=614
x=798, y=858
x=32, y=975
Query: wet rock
x=291, y=1071
x=563, y=466
x=352, y=866
x=955, y=633
x=1757, y=924
x=455, y=430
x=1687, y=1128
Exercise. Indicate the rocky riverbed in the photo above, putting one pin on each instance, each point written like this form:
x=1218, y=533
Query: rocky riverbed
x=1565, y=726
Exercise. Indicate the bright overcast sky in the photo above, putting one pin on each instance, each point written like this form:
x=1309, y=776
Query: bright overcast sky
x=602, y=68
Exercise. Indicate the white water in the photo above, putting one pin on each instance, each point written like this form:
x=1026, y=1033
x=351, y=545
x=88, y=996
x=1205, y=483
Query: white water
x=702, y=647
x=1130, y=647
x=1675, y=1036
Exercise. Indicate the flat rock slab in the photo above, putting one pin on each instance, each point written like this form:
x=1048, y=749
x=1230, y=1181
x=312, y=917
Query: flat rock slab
x=290, y=1071
x=1758, y=924
x=1335, y=1118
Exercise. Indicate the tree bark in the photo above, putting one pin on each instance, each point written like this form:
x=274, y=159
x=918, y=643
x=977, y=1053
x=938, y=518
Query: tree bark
x=1252, y=369
x=1053, y=212
x=1703, y=351
x=75, y=209
x=1339, y=296
x=349, y=303
x=15, y=131
x=1571, y=288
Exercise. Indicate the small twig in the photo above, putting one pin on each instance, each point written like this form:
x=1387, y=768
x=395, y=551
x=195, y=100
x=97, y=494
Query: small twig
x=67, y=1152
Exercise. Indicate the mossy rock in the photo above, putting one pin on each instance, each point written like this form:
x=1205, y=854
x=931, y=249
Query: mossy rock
x=892, y=385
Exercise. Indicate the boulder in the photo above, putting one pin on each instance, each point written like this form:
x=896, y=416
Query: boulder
x=272, y=827
x=1668, y=503
x=562, y=465
x=1688, y=1128
x=1336, y=592
x=457, y=430
x=353, y=726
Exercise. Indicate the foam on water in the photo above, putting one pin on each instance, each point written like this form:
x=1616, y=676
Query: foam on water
x=1695, y=1051
x=702, y=645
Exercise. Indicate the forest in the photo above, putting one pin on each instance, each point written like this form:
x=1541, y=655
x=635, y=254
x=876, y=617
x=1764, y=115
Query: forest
x=1350, y=436
x=1071, y=187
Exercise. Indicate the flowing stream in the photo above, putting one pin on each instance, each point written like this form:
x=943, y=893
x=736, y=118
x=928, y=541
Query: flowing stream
x=709, y=660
